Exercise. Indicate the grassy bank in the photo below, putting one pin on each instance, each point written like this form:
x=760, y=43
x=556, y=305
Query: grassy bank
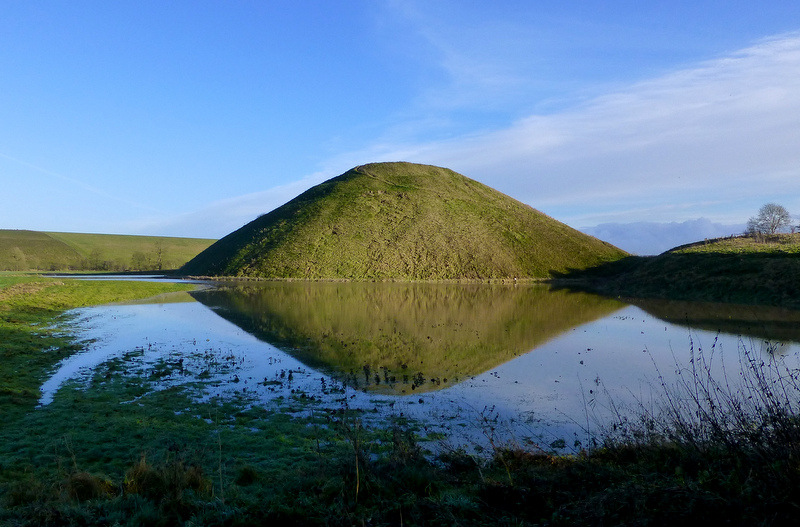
x=735, y=270
x=123, y=452
x=32, y=327
x=89, y=460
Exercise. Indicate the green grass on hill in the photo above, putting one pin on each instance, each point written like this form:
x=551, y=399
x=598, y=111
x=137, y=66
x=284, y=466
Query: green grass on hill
x=738, y=270
x=29, y=250
x=22, y=250
x=778, y=244
x=402, y=221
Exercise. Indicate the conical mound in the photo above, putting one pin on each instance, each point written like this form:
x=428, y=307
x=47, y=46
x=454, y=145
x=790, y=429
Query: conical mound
x=403, y=221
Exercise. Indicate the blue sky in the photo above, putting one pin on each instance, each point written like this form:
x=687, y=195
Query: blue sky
x=630, y=120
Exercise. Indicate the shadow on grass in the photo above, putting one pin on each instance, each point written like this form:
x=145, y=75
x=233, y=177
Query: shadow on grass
x=742, y=278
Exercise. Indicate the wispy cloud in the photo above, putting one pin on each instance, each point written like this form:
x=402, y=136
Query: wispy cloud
x=479, y=60
x=716, y=140
x=73, y=182
x=725, y=130
x=224, y=216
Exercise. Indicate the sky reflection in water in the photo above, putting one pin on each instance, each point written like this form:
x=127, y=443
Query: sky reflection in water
x=546, y=364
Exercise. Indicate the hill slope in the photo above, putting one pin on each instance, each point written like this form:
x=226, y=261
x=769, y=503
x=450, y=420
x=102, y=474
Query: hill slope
x=26, y=250
x=22, y=250
x=738, y=270
x=402, y=221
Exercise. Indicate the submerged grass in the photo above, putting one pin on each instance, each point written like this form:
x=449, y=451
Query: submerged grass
x=124, y=453
x=32, y=327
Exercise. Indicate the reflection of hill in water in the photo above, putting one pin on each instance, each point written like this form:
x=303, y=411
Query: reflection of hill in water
x=395, y=338
x=763, y=322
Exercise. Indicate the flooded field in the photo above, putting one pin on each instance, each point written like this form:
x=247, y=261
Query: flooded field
x=471, y=363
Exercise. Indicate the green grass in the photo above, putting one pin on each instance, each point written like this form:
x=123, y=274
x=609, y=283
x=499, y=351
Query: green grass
x=402, y=221
x=124, y=453
x=24, y=250
x=32, y=336
x=776, y=245
x=165, y=460
x=58, y=251
x=733, y=270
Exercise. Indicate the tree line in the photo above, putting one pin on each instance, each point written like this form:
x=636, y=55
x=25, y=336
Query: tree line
x=96, y=260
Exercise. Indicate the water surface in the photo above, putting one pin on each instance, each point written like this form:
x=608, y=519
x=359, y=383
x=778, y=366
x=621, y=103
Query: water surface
x=524, y=362
x=398, y=338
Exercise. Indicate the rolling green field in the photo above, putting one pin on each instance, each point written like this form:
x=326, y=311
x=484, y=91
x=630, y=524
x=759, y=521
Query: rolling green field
x=738, y=270
x=22, y=250
x=402, y=221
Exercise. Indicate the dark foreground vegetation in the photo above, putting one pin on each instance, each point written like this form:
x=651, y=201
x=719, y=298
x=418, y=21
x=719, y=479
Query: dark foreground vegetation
x=125, y=453
x=762, y=270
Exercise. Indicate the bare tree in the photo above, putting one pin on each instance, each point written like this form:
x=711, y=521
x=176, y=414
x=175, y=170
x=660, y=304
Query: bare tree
x=770, y=219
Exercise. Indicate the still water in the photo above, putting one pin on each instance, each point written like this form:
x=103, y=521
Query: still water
x=472, y=362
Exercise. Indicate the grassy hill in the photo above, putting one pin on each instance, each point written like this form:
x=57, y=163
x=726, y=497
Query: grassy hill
x=22, y=250
x=402, y=221
x=27, y=250
x=777, y=244
x=738, y=270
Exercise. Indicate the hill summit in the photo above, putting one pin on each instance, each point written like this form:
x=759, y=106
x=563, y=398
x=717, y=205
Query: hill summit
x=402, y=221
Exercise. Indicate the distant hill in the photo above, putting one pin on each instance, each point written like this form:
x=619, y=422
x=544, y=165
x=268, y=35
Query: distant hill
x=22, y=250
x=28, y=250
x=402, y=221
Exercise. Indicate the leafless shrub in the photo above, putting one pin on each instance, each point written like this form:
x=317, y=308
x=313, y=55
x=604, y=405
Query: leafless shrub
x=752, y=414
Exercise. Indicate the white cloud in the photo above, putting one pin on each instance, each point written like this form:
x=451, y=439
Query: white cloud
x=725, y=130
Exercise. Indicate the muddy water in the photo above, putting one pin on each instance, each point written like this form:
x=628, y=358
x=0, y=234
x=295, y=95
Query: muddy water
x=522, y=362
